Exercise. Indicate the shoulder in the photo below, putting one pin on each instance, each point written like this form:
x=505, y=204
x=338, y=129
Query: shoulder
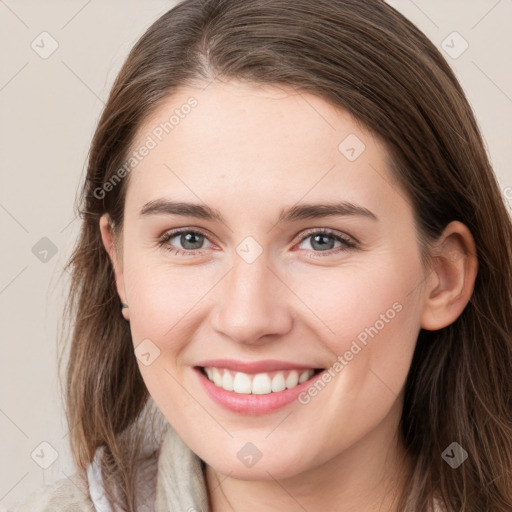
x=67, y=494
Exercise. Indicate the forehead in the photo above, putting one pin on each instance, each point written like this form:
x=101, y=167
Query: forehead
x=267, y=143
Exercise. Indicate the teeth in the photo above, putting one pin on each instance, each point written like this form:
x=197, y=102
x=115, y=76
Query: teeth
x=217, y=378
x=227, y=381
x=259, y=384
x=278, y=383
x=293, y=379
x=242, y=383
x=304, y=376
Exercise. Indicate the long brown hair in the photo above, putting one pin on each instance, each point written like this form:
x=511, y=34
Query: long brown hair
x=368, y=59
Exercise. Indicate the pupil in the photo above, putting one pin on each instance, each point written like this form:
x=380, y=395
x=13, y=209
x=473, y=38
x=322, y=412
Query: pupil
x=188, y=239
x=322, y=239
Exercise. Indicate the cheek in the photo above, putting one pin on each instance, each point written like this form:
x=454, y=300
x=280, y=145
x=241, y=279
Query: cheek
x=347, y=300
x=163, y=298
x=366, y=311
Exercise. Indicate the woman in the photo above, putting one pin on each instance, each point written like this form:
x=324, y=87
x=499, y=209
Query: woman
x=294, y=246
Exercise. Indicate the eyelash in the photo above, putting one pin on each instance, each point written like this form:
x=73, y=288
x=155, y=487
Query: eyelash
x=346, y=242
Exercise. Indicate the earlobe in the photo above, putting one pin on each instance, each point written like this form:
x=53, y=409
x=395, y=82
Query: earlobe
x=452, y=278
x=108, y=238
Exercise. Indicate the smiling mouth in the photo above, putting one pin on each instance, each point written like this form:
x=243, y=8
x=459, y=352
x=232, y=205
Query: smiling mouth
x=263, y=383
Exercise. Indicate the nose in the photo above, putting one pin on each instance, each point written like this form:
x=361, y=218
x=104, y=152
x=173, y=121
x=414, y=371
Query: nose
x=252, y=307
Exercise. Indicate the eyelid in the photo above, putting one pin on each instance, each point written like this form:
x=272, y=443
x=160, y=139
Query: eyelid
x=188, y=229
x=167, y=235
x=328, y=231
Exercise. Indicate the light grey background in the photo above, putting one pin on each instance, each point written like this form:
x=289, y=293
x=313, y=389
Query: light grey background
x=49, y=109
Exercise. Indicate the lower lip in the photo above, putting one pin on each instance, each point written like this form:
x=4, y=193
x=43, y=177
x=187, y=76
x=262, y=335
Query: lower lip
x=252, y=404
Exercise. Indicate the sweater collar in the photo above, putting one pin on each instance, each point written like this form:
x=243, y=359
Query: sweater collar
x=180, y=485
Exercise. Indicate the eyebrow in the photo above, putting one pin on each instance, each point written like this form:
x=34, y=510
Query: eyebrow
x=292, y=214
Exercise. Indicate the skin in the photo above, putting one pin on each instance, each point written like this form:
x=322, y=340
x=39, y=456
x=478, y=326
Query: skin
x=249, y=152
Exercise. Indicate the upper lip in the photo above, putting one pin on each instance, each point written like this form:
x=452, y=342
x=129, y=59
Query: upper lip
x=268, y=365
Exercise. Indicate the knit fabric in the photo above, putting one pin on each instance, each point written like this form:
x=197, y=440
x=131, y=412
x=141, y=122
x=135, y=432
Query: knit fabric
x=178, y=486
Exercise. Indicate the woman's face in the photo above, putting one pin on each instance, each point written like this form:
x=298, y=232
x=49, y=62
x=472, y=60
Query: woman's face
x=279, y=279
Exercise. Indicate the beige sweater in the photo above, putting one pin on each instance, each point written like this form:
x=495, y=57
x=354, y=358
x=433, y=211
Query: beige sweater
x=180, y=486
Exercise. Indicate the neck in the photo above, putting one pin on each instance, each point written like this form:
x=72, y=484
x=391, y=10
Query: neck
x=369, y=476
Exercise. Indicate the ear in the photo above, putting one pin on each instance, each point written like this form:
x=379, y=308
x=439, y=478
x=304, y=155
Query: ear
x=451, y=281
x=107, y=235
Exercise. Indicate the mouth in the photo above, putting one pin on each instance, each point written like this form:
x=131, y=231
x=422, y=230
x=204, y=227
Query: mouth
x=255, y=393
x=263, y=383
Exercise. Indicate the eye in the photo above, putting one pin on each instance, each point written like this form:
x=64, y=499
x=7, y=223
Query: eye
x=190, y=240
x=323, y=241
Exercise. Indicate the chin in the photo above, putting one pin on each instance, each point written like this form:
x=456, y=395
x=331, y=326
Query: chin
x=264, y=468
